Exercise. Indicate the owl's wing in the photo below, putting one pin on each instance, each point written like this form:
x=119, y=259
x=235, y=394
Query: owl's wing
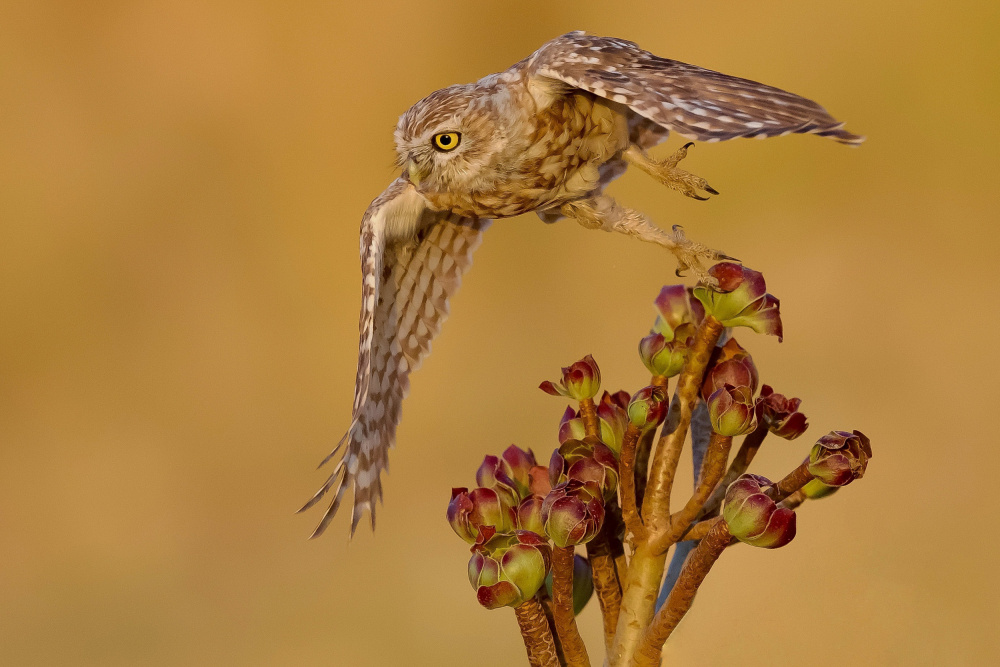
x=405, y=291
x=696, y=103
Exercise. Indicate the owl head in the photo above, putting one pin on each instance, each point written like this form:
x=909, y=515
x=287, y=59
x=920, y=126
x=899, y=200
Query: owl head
x=449, y=141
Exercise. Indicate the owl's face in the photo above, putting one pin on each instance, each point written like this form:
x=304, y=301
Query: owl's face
x=448, y=141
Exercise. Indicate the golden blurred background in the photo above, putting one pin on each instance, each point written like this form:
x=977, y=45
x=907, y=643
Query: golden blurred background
x=182, y=184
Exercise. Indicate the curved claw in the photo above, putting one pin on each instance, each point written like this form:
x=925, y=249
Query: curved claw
x=709, y=188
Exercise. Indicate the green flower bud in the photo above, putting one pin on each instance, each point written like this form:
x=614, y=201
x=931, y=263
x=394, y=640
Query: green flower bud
x=752, y=517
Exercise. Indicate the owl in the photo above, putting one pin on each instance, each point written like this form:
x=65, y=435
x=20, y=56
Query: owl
x=545, y=136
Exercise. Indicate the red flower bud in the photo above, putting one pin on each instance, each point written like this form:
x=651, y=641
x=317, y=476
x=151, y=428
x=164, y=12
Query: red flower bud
x=508, y=568
x=648, y=408
x=752, y=517
x=469, y=511
x=734, y=366
x=676, y=307
x=579, y=381
x=529, y=515
x=732, y=411
x=611, y=412
x=781, y=415
x=839, y=458
x=494, y=474
x=573, y=513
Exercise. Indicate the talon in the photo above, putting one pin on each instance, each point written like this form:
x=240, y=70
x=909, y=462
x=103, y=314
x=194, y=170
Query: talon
x=709, y=188
x=698, y=197
x=688, y=145
x=732, y=259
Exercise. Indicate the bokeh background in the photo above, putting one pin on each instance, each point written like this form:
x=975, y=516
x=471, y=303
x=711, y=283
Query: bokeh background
x=181, y=185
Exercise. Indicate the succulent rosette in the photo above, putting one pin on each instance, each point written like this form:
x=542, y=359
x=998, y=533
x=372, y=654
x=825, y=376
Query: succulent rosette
x=733, y=365
x=839, y=457
x=752, y=517
x=573, y=512
x=781, y=415
x=580, y=381
x=740, y=299
x=469, y=511
x=648, y=408
x=732, y=411
x=508, y=568
x=586, y=460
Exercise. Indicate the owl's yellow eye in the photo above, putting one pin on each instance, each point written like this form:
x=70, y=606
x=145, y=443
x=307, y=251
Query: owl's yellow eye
x=447, y=141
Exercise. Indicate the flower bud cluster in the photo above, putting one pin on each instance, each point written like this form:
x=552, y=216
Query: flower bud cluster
x=520, y=506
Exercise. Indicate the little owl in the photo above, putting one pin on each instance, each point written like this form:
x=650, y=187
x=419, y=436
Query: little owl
x=546, y=135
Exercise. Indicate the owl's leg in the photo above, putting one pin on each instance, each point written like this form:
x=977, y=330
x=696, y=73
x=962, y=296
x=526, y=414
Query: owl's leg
x=666, y=172
x=603, y=212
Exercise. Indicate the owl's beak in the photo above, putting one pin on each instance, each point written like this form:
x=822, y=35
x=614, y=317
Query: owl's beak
x=415, y=173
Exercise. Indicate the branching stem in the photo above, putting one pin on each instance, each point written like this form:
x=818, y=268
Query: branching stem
x=537, y=635
x=562, y=608
x=681, y=597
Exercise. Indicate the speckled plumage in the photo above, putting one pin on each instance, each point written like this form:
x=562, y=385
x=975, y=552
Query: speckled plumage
x=546, y=135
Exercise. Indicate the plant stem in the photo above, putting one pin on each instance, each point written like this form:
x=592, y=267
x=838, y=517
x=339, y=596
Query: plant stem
x=748, y=449
x=645, y=571
x=626, y=484
x=794, y=500
x=543, y=598
x=536, y=633
x=642, y=583
x=656, y=504
x=642, y=451
x=712, y=469
x=790, y=483
x=562, y=608
x=698, y=530
x=588, y=412
x=681, y=597
x=609, y=592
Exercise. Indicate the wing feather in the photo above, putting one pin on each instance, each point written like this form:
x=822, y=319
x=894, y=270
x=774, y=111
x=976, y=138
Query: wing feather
x=413, y=282
x=696, y=103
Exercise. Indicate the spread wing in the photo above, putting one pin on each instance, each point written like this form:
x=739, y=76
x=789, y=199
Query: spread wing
x=405, y=291
x=696, y=103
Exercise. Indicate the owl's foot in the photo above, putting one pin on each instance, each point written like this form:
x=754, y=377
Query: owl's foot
x=690, y=254
x=666, y=172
